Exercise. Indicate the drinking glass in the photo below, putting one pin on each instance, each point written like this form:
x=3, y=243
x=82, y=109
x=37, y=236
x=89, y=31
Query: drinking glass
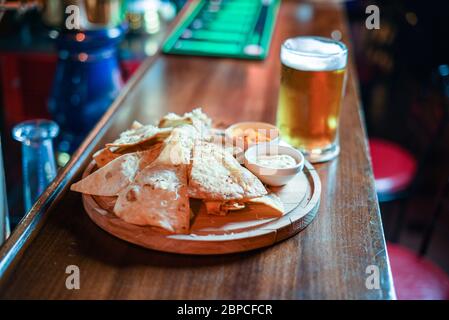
x=313, y=77
x=38, y=159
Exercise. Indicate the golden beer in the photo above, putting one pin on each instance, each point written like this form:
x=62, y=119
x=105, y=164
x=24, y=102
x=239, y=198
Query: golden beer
x=310, y=95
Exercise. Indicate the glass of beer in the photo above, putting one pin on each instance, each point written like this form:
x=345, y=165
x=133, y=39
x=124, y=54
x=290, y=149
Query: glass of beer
x=313, y=80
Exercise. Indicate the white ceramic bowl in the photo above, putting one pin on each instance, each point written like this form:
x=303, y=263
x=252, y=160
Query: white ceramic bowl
x=272, y=176
x=272, y=132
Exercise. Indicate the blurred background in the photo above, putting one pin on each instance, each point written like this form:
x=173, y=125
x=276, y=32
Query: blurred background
x=403, y=70
x=404, y=86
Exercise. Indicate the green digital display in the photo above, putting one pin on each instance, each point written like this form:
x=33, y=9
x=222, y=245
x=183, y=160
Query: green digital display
x=226, y=28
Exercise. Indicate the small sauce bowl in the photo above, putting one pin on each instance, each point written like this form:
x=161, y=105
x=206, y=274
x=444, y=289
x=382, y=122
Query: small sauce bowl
x=247, y=134
x=269, y=175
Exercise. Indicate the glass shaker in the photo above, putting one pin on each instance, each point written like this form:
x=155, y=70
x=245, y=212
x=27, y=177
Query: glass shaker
x=38, y=158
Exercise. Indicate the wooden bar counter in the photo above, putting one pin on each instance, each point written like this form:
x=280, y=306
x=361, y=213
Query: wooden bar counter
x=327, y=260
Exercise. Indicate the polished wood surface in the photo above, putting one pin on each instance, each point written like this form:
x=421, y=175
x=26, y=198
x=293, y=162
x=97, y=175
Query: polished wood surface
x=328, y=260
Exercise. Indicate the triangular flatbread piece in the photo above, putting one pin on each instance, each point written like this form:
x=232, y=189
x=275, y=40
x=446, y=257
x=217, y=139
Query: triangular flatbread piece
x=196, y=118
x=110, y=179
x=217, y=175
x=149, y=156
x=140, y=135
x=157, y=198
x=178, y=146
x=103, y=156
x=136, y=125
x=269, y=204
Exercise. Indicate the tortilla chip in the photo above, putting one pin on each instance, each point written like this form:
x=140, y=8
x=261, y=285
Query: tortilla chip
x=222, y=208
x=144, y=134
x=197, y=118
x=217, y=175
x=110, y=179
x=178, y=146
x=104, y=156
x=136, y=125
x=148, y=156
x=157, y=198
x=106, y=203
x=269, y=204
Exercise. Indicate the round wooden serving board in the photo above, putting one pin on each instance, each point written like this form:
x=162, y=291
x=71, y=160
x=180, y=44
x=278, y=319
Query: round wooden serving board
x=209, y=234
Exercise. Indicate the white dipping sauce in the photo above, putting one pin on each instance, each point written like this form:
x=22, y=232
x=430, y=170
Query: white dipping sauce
x=276, y=161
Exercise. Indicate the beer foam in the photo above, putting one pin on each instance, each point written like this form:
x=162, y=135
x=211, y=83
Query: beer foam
x=314, y=54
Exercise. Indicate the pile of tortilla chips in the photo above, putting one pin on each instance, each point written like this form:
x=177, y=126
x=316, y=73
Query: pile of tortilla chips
x=152, y=172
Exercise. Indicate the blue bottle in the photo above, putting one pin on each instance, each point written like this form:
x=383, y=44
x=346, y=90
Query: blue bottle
x=87, y=80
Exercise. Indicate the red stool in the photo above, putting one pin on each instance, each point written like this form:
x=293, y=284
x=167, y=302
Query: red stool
x=416, y=278
x=394, y=168
x=394, y=171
